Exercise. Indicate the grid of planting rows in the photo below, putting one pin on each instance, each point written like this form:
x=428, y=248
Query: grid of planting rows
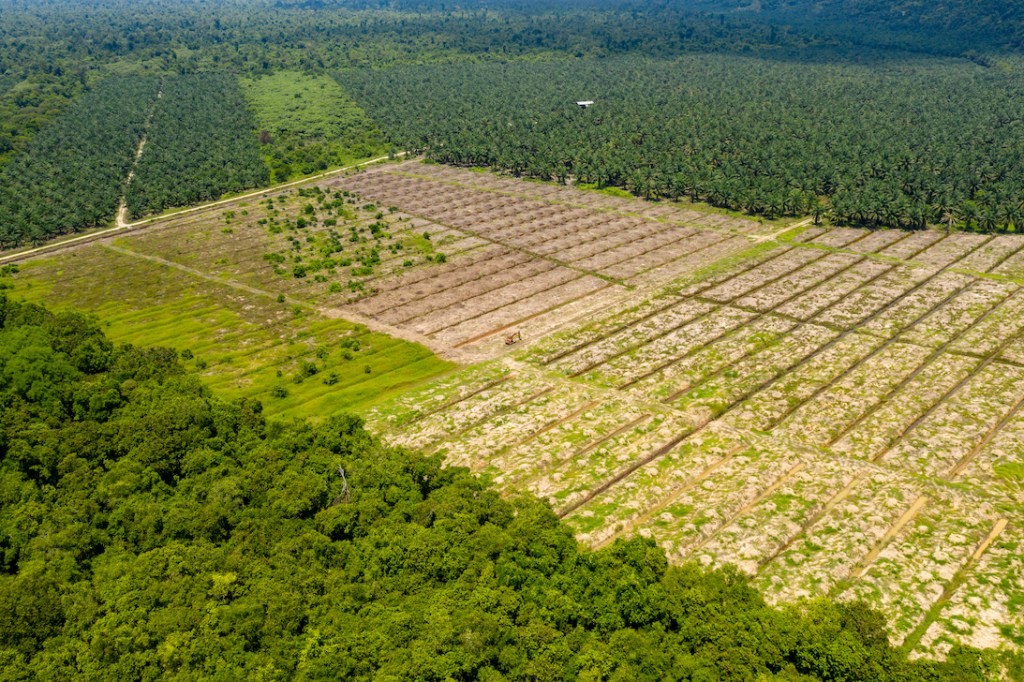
x=836, y=414
x=544, y=250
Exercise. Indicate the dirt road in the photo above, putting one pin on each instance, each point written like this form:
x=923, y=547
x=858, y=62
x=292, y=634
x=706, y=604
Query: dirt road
x=124, y=226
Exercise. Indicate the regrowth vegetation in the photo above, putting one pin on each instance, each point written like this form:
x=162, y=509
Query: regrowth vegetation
x=308, y=124
x=150, y=529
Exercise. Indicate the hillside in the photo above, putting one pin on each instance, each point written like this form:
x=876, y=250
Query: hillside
x=149, y=529
x=342, y=339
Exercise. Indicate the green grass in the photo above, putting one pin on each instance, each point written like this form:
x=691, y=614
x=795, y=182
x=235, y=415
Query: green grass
x=309, y=124
x=610, y=191
x=1011, y=472
x=244, y=345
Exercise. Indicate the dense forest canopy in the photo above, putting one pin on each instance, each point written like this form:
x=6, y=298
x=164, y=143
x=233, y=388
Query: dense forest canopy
x=148, y=529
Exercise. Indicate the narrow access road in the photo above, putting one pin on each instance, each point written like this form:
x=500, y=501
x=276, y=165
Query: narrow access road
x=121, y=219
x=26, y=254
x=773, y=235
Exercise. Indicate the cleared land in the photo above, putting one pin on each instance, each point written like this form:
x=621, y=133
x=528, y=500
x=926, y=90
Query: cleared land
x=220, y=286
x=835, y=411
x=838, y=413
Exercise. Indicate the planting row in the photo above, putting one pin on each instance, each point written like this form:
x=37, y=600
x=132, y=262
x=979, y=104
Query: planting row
x=612, y=244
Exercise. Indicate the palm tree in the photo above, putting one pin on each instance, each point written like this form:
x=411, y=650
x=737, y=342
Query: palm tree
x=818, y=211
x=949, y=218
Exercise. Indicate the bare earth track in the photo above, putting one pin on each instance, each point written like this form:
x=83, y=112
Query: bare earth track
x=836, y=411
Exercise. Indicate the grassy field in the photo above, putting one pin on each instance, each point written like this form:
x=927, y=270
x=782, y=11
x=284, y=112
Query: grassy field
x=309, y=124
x=246, y=341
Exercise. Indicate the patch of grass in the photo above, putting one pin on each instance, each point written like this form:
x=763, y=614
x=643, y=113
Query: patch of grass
x=1011, y=472
x=308, y=124
x=239, y=341
x=610, y=191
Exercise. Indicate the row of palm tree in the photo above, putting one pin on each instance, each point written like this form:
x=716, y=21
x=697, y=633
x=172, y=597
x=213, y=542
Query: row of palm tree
x=71, y=175
x=898, y=144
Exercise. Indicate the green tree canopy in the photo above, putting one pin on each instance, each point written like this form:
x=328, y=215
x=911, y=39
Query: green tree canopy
x=151, y=531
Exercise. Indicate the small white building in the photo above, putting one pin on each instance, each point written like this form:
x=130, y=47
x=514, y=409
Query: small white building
x=584, y=103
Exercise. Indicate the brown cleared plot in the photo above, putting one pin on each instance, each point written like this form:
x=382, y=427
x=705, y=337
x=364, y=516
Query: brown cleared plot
x=713, y=358
x=936, y=445
x=952, y=249
x=822, y=418
x=753, y=373
x=995, y=462
x=518, y=312
x=684, y=267
x=632, y=336
x=859, y=306
x=924, y=558
x=775, y=293
x=987, y=608
x=883, y=425
x=832, y=291
x=1012, y=266
x=825, y=554
x=876, y=241
x=765, y=273
x=578, y=481
x=628, y=369
x=911, y=246
x=990, y=254
x=553, y=239
x=801, y=382
x=839, y=238
x=653, y=484
x=569, y=440
x=916, y=303
x=489, y=286
x=780, y=512
x=428, y=282
x=809, y=234
x=696, y=516
x=973, y=306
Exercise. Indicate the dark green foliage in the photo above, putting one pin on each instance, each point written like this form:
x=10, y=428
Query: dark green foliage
x=148, y=530
x=71, y=176
x=201, y=144
x=963, y=26
x=894, y=143
x=6, y=83
x=49, y=51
